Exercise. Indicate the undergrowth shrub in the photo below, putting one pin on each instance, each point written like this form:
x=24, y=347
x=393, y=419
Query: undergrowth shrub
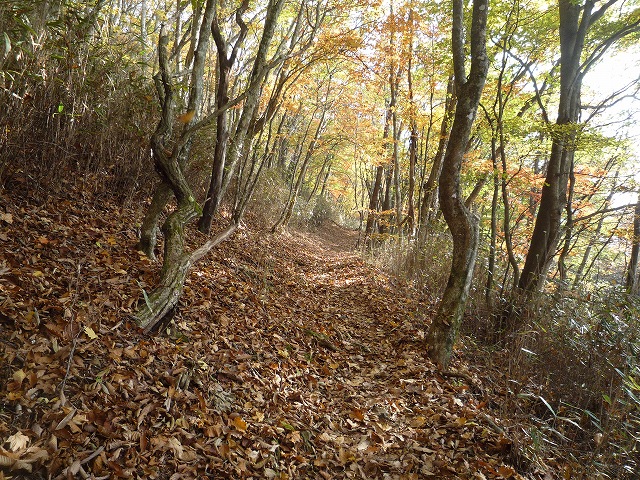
x=571, y=379
x=269, y=197
x=424, y=264
x=75, y=110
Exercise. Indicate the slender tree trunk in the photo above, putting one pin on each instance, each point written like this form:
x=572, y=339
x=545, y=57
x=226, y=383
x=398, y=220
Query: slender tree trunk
x=325, y=182
x=225, y=64
x=568, y=230
x=576, y=20
x=462, y=223
x=373, y=203
x=397, y=197
x=506, y=221
x=413, y=140
x=488, y=292
x=595, y=238
x=632, y=271
x=326, y=167
x=241, y=138
x=385, y=220
x=428, y=207
x=376, y=192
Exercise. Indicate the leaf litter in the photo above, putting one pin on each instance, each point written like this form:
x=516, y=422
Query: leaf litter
x=290, y=357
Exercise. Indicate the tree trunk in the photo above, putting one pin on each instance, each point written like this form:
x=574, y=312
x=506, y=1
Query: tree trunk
x=163, y=193
x=568, y=229
x=225, y=64
x=397, y=193
x=576, y=19
x=373, y=204
x=413, y=139
x=149, y=228
x=161, y=302
x=174, y=269
x=241, y=138
x=632, y=271
x=385, y=220
x=428, y=206
x=462, y=223
x=488, y=292
x=595, y=238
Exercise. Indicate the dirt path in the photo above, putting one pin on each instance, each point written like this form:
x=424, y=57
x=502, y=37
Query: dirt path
x=289, y=358
x=368, y=402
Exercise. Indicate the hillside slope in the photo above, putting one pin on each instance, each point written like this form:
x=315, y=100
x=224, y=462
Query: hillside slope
x=290, y=357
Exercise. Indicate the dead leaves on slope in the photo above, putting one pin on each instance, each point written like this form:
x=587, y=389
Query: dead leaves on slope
x=285, y=361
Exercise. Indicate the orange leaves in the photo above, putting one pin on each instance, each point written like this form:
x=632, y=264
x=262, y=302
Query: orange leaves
x=239, y=423
x=357, y=414
x=186, y=117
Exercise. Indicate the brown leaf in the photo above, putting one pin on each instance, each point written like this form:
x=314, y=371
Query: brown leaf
x=240, y=424
x=357, y=414
x=506, y=471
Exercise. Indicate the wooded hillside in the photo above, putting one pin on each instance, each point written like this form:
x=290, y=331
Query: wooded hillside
x=305, y=239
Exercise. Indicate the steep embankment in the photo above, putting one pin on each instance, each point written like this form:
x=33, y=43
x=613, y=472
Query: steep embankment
x=289, y=358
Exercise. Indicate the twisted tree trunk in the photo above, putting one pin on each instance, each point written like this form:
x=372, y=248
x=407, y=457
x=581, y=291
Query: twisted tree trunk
x=462, y=223
x=160, y=303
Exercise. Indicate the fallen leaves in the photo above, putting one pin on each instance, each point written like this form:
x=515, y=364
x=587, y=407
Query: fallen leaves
x=18, y=441
x=285, y=360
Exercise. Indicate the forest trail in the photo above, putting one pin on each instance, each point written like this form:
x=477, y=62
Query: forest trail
x=290, y=358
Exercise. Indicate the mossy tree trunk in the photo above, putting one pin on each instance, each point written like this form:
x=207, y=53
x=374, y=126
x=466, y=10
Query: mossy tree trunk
x=461, y=221
x=182, y=150
x=176, y=260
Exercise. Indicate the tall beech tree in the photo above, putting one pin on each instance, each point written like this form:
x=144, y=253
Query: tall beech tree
x=462, y=223
x=577, y=20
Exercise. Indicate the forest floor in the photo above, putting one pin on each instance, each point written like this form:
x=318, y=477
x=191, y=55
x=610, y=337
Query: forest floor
x=290, y=358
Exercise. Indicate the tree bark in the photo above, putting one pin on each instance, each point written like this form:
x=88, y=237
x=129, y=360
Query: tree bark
x=177, y=261
x=174, y=269
x=225, y=64
x=373, y=203
x=632, y=271
x=163, y=193
x=241, y=138
x=149, y=228
x=428, y=205
x=413, y=139
x=493, y=234
x=462, y=223
x=373, y=215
